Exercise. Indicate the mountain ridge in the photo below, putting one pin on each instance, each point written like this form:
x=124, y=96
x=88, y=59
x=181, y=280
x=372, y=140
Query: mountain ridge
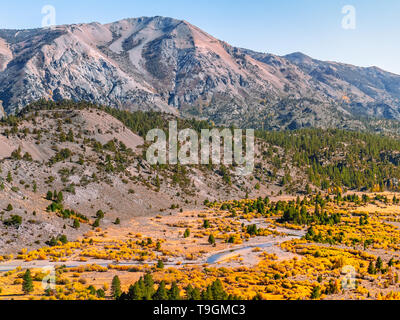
x=170, y=65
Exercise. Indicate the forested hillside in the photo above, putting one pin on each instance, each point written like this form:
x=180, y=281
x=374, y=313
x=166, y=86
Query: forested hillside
x=337, y=158
x=326, y=158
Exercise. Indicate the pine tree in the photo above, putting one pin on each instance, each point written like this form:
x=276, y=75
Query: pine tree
x=187, y=233
x=174, y=292
x=100, y=214
x=27, y=284
x=76, y=224
x=218, y=291
x=157, y=182
x=135, y=292
x=211, y=239
x=189, y=292
x=60, y=197
x=316, y=293
x=70, y=136
x=193, y=294
x=379, y=264
x=96, y=223
x=9, y=177
x=49, y=196
x=116, y=287
x=92, y=290
x=100, y=294
x=207, y=294
x=371, y=268
x=161, y=293
x=149, y=287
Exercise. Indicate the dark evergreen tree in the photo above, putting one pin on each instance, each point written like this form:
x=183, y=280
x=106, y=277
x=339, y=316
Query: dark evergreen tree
x=161, y=293
x=174, y=292
x=27, y=282
x=116, y=287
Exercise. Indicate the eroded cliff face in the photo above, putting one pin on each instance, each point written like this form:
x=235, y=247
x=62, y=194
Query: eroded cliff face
x=172, y=66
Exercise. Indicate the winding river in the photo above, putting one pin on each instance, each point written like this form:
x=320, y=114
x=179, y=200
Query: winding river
x=215, y=258
x=226, y=254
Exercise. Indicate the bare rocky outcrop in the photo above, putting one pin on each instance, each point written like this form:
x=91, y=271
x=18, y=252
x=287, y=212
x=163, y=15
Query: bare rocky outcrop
x=2, y=112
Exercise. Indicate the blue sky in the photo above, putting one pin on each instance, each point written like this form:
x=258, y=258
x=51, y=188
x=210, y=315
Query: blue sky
x=313, y=27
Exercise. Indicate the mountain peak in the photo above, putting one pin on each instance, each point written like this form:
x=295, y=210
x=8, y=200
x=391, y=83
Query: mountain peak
x=299, y=57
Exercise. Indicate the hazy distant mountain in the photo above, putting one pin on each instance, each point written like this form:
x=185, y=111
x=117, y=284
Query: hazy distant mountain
x=377, y=90
x=170, y=65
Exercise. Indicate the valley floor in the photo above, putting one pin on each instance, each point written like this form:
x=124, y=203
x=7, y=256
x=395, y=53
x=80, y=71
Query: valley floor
x=242, y=243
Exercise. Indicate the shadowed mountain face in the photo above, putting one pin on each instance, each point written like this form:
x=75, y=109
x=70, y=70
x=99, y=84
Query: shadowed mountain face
x=170, y=65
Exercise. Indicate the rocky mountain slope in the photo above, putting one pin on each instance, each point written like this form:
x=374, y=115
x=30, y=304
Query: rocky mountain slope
x=369, y=91
x=170, y=65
